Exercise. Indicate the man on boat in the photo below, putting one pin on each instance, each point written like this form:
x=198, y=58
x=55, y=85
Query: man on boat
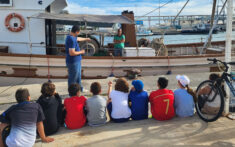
x=74, y=56
x=119, y=43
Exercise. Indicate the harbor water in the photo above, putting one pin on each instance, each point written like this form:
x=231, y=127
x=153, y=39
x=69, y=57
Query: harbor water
x=168, y=39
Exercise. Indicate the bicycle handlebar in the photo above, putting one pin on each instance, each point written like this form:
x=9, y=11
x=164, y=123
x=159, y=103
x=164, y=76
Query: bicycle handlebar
x=216, y=60
x=209, y=59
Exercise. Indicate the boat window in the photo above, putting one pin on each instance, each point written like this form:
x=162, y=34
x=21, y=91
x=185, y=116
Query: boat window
x=5, y=2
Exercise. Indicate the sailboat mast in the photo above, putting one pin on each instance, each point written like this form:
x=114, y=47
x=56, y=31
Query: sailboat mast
x=212, y=19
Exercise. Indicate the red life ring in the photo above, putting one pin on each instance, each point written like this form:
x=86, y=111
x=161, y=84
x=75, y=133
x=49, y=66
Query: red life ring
x=8, y=19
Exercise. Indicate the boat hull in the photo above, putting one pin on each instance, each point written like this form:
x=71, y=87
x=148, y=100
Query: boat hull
x=41, y=66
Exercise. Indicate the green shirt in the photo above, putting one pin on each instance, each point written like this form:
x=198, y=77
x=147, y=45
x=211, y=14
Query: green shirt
x=119, y=45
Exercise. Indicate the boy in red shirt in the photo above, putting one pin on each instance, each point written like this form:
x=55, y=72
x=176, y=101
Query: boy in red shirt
x=162, y=101
x=74, y=106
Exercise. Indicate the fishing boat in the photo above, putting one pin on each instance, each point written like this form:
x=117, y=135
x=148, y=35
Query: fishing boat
x=29, y=49
x=143, y=32
x=200, y=29
x=166, y=30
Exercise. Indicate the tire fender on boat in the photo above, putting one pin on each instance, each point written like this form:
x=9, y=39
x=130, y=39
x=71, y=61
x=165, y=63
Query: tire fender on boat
x=14, y=29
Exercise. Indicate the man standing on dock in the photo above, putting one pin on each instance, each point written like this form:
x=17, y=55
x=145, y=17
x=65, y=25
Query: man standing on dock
x=74, y=56
x=119, y=43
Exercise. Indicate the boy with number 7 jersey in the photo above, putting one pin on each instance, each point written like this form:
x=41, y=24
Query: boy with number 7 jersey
x=162, y=101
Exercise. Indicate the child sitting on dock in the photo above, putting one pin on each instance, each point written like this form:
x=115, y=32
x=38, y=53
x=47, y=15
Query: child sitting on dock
x=184, y=97
x=75, y=117
x=96, y=106
x=25, y=118
x=162, y=101
x=139, y=101
x=118, y=108
x=51, y=104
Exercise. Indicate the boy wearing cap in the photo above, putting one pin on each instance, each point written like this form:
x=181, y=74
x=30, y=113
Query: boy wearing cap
x=184, y=103
x=162, y=101
x=139, y=101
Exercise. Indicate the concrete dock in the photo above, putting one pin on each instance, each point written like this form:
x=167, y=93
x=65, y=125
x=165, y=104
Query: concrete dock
x=178, y=132
x=9, y=85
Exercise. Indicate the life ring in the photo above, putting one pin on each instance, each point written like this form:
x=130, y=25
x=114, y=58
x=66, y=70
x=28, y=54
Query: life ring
x=13, y=29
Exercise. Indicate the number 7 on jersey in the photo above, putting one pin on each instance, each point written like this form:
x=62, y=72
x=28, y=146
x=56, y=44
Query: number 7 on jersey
x=167, y=106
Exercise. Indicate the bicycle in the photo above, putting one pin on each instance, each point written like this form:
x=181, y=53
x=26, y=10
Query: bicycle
x=210, y=97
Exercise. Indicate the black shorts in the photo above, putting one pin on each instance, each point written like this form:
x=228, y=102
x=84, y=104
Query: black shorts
x=5, y=133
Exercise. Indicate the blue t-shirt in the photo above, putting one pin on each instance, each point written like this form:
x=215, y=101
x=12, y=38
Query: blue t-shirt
x=23, y=118
x=71, y=42
x=139, y=105
x=184, y=104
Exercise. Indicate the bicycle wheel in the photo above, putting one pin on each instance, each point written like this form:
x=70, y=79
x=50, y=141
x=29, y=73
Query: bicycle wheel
x=210, y=101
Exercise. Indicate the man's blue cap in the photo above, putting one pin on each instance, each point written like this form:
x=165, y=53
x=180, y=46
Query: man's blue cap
x=139, y=85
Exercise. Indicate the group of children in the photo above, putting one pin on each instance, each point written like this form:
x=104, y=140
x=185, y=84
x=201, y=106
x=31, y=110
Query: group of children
x=48, y=114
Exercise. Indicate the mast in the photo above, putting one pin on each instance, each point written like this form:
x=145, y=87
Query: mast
x=212, y=20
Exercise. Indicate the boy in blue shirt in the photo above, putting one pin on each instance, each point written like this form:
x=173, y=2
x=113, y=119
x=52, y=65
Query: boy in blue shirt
x=139, y=101
x=25, y=118
x=184, y=103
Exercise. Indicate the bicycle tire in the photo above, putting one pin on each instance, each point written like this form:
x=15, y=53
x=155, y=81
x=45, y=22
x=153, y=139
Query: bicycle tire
x=200, y=114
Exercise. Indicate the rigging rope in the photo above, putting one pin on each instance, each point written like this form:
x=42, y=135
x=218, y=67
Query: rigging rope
x=158, y=7
x=180, y=12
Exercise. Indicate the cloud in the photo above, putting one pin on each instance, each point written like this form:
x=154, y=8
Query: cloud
x=197, y=7
x=75, y=8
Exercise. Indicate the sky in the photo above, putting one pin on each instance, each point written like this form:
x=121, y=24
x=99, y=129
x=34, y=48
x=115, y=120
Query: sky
x=140, y=7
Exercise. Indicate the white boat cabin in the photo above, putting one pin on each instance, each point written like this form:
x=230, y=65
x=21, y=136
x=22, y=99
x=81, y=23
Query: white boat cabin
x=23, y=35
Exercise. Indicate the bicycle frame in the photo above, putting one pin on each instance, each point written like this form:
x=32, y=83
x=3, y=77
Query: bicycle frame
x=216, y=92
x=225, y=77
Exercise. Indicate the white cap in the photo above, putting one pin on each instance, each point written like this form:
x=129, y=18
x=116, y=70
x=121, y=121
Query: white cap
x=183, y=79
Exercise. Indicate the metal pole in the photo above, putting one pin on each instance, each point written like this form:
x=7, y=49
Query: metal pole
x=228, y=47
x=149, y=19
x=212, y=20
x=86, y=37
x=137, y=43
x=159, y=12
